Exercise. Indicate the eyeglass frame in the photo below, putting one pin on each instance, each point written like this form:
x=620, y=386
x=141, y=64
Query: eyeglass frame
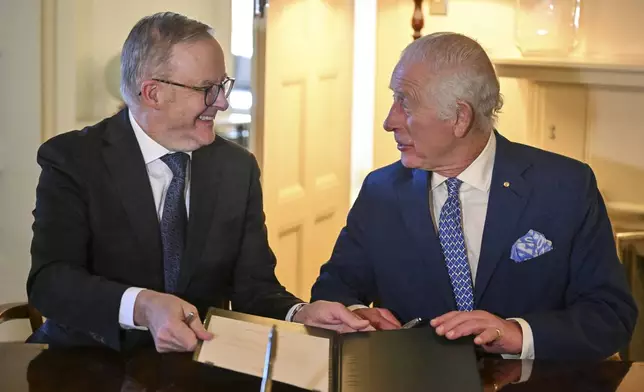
x=204, y=89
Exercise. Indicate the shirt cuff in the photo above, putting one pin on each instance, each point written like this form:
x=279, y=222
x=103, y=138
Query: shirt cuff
x=526, y=370
x=527, y=348
x=357, y=306
x=126, y=310
x=294, y=309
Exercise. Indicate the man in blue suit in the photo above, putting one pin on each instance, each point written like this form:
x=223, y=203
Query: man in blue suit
x=483, y=236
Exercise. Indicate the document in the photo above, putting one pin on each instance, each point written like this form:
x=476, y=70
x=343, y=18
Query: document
x=302, y=354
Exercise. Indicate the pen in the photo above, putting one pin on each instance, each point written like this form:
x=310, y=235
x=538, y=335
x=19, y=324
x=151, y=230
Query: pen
x=189, y=318
x=267, y=376
x=412, y=323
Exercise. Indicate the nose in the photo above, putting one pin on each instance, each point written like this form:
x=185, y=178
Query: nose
x=221, y=103
x=392, y=121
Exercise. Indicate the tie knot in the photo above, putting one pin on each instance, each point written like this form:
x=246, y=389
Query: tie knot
x=453, y=185
x=177, y=162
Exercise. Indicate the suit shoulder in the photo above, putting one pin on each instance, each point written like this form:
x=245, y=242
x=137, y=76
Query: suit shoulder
x=232, y=150
x=71, y=144
x=553, y=164
x=387, y=174
x=558, y=173
x=236, y=160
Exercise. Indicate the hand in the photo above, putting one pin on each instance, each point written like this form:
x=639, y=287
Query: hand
x=494, y=334
x=331, y=315
x=165, y=316
x=499, y=373
x=379, y=318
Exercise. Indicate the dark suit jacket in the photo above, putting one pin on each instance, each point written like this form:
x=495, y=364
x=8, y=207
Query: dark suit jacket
x=96, y=233
x=575, y=297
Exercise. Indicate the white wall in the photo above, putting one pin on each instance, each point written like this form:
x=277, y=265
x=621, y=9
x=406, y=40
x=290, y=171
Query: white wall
x=491, y=22
x=90, y=34
x=20, y=132
x=364, y=78
x=609, y=30
x=86, y=35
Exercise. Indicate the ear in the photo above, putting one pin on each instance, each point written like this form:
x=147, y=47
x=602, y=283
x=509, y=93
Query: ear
x=464, y=119
x=151, y=94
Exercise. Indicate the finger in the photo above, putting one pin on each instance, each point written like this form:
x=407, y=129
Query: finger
x=340, y=327
x=349, y=318
x=455, y=320
x=376, y=319
x=197, y=327
x=167, y=346
x=444, y=318
x=384, y=324
x=164, y=349
x=467, y=328
x=370, y=315
x=488, y=336
x=184, y=337
x=164, y=340
x=387, y=315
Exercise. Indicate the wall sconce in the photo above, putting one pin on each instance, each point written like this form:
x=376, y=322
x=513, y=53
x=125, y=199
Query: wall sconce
x=417, y=19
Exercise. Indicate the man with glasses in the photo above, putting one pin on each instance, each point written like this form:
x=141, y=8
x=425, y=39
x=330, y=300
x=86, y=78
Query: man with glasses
x=146, y=219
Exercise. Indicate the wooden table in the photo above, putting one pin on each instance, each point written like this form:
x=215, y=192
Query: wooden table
x=25, y=367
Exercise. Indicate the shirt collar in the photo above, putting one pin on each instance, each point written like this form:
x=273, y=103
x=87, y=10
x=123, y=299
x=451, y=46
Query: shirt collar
x=150, y=149
x=479, y=173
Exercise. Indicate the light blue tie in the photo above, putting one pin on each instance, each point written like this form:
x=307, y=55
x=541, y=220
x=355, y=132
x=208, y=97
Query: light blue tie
x=450, y=233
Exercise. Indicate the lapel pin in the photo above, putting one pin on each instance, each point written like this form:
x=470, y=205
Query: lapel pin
x=506, y=184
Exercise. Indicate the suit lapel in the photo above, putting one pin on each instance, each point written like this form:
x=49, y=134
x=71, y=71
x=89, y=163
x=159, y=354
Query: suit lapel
x=124, y=161
x=509, y=194
x=413, y=195
x=205, y=175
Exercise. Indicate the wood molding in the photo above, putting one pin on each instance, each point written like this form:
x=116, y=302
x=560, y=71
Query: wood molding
x=624, y=72
x=48, y=68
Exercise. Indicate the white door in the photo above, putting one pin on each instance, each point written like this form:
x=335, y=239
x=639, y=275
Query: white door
x=303, y=122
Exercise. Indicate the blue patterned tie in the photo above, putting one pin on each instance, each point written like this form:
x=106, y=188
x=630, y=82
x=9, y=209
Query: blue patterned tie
x=174, y=219
x=450, y=232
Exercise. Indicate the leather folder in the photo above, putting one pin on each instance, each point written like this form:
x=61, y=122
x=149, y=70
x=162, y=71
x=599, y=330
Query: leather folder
x=310, y=358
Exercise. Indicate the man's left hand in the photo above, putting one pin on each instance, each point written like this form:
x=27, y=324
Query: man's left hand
x=331, y=315
x=494, y=334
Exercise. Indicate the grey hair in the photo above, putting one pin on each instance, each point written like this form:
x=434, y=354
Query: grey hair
x=458, y=69
x=148, y=48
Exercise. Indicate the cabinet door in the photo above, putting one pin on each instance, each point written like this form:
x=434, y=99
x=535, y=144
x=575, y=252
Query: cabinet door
x=560, y=119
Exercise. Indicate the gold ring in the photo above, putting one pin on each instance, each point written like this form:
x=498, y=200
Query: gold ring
x=498, y=334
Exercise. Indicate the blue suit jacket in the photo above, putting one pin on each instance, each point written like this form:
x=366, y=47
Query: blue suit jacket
x=575, y=297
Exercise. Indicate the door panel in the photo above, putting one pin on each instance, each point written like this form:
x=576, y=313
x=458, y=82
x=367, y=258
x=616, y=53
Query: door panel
x=305, y=133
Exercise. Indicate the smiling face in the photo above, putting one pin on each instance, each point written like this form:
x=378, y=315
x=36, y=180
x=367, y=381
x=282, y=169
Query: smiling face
x=180, y=119
x=424, y=139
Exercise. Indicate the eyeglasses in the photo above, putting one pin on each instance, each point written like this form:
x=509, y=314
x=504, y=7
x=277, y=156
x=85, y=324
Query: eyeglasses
x=210, y=92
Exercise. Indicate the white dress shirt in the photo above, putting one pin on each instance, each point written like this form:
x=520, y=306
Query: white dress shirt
x=160, y=177
x=474, y=195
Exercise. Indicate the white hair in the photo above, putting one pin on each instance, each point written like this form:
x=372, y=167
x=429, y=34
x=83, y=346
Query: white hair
x=458, y=69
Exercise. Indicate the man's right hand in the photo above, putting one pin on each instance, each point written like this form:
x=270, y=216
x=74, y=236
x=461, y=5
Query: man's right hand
x=165, y=316
x=379, y=318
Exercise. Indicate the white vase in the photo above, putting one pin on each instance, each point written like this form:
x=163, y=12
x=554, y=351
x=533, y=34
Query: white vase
x=547, y=27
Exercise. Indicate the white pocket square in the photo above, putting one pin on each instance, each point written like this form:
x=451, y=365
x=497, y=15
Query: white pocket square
x=529, y=246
